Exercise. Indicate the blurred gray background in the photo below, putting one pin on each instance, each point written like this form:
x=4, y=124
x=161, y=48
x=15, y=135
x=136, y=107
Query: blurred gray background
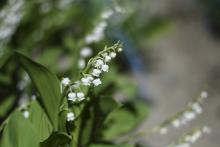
x=186, y=59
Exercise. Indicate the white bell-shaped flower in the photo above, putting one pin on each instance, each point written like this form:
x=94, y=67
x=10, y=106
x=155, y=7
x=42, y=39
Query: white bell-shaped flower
x=85, y=81
x=70, y=116
x=80, y=96
x=97, y=82
x=112, y=54
x=107, y=58
x=105, y=68
x=72, y=96
x=96, y=72
x=65, y=81
x=99, y=63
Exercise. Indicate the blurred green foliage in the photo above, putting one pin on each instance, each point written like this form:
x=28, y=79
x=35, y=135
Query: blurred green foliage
x=52, y=33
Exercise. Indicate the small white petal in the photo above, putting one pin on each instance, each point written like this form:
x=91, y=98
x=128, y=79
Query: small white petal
x=112, y=54
x=107, y=58
x=70, y=116
x=72, y=96
x=96, y=72
x=85, y=81
x=105, y=68
x=90, y=78
x=99, y=63
x=80, y=95
x=97, y=82
x=65, y=81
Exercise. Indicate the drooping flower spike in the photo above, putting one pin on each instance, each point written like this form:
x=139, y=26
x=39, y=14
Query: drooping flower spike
x=90, y=76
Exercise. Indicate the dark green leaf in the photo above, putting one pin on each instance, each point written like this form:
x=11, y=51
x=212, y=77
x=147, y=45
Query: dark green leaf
x=93, y=117
x=47, y=85
x=19, y=132
x=6, y=105
x=40, y=121
x=124, y=119
x=57, y=140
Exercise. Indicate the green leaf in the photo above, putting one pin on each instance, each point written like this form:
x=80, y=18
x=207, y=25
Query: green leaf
x=19, y=132
x=124, y=119
x=57, y=139
x=47, y=85
x=6, y=105
x=40, y=121
x=93, y=117
x=5, y=56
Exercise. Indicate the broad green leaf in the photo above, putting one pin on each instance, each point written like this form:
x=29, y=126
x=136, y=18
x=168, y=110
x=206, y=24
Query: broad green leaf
x=47, y=85
x=40, y=121
x=6, y=104
x=57, y=140
x=19, y=132
x=5, y=56
x=93, y=117
x=124, y=119
x=49, y=57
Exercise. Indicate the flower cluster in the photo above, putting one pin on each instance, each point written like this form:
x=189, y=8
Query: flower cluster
x=191, y=137
x=97, y=33
x=194, y=108
x=90, y=77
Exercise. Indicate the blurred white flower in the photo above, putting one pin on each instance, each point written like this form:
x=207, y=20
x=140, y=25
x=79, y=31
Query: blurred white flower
x=163, y=131
x=65, y=81
x=70, y=116
x=97, y=34
x=176, y=123
x=204, y=94
x=120, y=49
x=86, y=52
x=26, y=114
x=197, y=108
x=81, y=63
x=187, y=116
x=107, y=14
